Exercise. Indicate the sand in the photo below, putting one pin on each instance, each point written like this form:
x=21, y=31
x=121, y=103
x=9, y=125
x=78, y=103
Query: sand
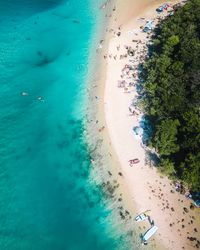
x=142, y=186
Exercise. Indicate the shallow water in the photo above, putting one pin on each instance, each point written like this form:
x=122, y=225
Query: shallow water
x=46, y=200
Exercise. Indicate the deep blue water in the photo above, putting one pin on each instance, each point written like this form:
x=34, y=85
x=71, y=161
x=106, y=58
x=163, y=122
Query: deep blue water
x=46, y=201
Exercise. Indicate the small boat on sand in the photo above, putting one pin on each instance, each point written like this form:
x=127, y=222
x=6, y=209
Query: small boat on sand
x=150, y=232
x=143, y=216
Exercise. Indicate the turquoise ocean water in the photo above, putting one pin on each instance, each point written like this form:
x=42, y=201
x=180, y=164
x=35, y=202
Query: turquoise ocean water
x=46, y=201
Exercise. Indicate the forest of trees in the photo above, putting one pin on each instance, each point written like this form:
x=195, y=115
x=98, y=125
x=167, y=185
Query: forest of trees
x=171, y=94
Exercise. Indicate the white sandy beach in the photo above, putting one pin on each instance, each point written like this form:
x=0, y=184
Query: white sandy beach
x=143, y=187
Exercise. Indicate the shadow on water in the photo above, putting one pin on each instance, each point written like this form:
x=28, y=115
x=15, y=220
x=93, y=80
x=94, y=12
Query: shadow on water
x=44, y=59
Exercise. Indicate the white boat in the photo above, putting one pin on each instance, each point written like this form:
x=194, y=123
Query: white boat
x=141, y=217
x=150, y=232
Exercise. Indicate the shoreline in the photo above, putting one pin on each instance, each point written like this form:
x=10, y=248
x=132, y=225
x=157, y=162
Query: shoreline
x=138, y=195
x=105, y=164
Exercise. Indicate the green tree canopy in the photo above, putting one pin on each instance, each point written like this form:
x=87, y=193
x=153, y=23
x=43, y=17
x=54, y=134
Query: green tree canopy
x=165, y=139
x=171, y=93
